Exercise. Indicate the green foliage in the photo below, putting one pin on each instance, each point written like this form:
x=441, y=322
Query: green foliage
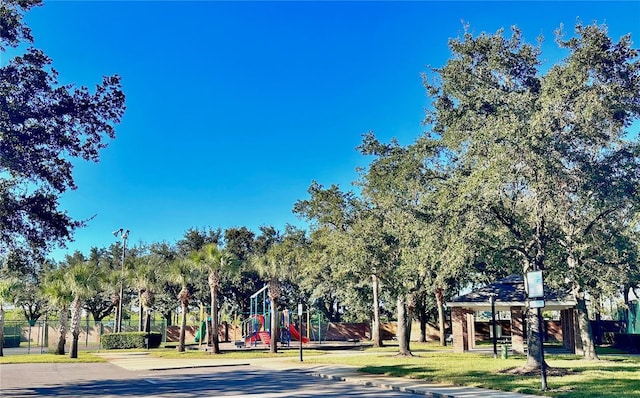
x=113, y=341
x=39, y=140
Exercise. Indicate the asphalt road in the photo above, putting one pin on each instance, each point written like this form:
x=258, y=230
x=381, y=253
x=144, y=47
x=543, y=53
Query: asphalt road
x=107, y=380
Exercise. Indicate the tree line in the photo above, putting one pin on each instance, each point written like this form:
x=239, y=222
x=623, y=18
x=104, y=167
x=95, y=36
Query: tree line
x=522, y=166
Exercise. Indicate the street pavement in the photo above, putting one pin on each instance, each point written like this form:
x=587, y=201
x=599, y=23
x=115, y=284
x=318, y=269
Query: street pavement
x=144, y=362
x=20, y=380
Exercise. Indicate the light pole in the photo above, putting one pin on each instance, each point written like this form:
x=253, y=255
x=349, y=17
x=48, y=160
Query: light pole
x=492, y=300
x=125, y=235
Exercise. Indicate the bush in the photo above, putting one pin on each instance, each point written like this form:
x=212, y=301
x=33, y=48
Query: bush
x=11, y=341
x=111, y=341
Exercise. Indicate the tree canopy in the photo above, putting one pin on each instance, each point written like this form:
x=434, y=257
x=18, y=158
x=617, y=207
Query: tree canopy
x=44, y=126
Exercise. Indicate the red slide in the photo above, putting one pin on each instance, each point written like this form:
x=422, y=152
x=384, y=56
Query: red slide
x=296, y=335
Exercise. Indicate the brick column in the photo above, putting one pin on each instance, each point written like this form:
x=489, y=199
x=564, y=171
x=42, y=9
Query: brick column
x=517, y=330
x=471, y=329
x=460, y=330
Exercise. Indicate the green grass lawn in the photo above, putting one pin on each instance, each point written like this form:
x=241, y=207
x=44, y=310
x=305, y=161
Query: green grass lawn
x=392, y=346
x=611, y=377
x=83, y=357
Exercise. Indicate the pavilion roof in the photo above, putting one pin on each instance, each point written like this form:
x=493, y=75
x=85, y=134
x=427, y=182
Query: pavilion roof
x=509, y=292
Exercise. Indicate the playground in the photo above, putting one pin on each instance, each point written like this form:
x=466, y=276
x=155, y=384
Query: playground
x=253, y=330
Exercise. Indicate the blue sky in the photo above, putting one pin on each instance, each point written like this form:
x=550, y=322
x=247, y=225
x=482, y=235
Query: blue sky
x=233, y=108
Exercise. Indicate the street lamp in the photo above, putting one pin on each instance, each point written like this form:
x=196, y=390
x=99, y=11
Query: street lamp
x=125, y=235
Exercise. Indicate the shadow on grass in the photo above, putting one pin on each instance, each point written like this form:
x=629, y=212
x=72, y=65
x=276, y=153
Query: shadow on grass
x=411, y=371
x=594, y=387
x=586, y=382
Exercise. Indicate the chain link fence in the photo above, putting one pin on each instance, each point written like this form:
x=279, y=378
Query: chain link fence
x=42, y=335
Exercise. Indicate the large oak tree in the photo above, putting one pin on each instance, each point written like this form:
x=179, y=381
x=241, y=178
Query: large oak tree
x=539, y=155
x=44, y=126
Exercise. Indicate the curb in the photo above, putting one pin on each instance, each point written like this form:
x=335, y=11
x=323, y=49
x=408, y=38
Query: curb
x=368, y=383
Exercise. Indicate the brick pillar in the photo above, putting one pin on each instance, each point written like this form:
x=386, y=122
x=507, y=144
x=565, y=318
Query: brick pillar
x=517, y=330
x=471, y=329
x=459, y=328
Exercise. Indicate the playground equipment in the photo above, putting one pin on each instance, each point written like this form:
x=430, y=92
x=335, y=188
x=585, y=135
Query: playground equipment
x=257, y=326
x=202, y=335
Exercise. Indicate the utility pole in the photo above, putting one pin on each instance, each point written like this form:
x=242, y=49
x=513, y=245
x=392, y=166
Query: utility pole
x=124, y=234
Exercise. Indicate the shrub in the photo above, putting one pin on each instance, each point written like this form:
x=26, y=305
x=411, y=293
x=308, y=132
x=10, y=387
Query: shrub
x=111, y=341
x=11, y=340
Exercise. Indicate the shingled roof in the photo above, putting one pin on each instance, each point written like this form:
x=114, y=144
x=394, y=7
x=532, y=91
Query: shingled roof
x=509, y=292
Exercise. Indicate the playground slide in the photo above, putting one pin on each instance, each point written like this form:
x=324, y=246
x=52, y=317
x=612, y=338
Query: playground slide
x=257, y=334
x=296, y=335
x=202, y=330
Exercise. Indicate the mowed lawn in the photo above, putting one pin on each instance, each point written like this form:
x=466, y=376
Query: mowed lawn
x=83, y=357
x=613, y=376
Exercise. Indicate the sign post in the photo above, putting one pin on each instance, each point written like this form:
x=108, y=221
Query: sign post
x=492, y=299
x=535, y=293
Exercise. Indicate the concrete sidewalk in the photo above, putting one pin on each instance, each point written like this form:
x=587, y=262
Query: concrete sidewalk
x=141, y=361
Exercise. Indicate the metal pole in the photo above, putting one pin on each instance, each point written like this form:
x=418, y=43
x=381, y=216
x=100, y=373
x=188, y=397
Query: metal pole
x=492, y=298
x=300, y=327
x=543, y=366
x=319, y=328
x=124, y=235
x=86, y=335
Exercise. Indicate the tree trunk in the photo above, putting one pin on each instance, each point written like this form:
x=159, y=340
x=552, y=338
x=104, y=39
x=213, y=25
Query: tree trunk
x=118, y=317
x=274, y=325
x=404, y=329
x=76, y=313
x=147, y=320
x=440, y=305
x=62, y=339
x=584, y=326
x=214, y=321
x=140, y=311
x=183, y=326
x=375, y=329
x=422, y=314
x=533, y=340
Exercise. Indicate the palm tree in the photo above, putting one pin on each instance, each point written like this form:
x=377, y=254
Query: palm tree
x=273, y=265
x=145, y=278
x=215, y=261
x=8, y=289
x=182, y=272
x=60, y=296
x=82, y=279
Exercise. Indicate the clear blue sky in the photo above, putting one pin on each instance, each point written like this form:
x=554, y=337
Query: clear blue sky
x=233, y=108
